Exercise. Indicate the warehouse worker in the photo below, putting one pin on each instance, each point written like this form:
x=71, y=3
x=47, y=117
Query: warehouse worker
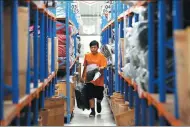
x=95, y=88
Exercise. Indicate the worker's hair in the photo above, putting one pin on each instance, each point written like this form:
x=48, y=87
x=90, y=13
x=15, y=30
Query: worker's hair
x=93, y=43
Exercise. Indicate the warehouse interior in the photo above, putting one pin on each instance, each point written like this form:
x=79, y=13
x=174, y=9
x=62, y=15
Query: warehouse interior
x=44, y=45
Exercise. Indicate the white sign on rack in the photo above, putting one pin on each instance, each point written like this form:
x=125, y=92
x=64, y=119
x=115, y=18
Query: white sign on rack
x=75, y=7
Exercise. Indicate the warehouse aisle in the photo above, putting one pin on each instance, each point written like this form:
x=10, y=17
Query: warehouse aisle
x=81, y=117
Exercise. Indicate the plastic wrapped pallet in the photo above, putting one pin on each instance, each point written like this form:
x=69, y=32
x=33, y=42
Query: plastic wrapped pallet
x=22, y=47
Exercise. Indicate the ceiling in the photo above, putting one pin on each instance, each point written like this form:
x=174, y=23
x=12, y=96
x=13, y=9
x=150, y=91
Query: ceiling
x=90, y=12
x=89, y=15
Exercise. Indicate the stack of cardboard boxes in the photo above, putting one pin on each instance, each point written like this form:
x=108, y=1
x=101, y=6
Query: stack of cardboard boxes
x=124, y=116
x=53, y=113
x=62, y=91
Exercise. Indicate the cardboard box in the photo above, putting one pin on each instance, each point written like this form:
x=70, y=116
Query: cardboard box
x=54, y=111
x=62, y=89
x=125, y=118
x=22, y=47
x=53, y=116
x=56, y=116
x=182, y=48
x=44, y=116
x=123, y=51
x=55, y=101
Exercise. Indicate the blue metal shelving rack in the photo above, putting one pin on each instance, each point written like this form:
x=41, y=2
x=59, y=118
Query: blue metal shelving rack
x=33, y=100
x=70, y=19
x=143, y=105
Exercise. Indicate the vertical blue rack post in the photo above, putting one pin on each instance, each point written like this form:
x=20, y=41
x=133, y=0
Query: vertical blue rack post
x=35, y=106
x=46, y=54
x=36, y=49
x=116, y=48
x=54, y=33
x=42, y=44
x=28, y=79
x=53, y=57
x=46, y=47
x=28, y=111
x=1, y=62
x=14, y=42
x=42, y=54
x=67, y=60
x=151, y=59
x=162, y=54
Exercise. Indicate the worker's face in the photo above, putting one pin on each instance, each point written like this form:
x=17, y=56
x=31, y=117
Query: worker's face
x=94, y=49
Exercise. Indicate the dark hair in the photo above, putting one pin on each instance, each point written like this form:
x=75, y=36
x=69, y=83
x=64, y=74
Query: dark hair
x=93, y=43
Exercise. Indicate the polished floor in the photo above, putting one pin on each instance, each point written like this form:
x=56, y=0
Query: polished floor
x=81, y=118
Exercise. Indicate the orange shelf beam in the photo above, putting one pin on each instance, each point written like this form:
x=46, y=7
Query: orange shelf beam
x=152, y=101
x=12, y=110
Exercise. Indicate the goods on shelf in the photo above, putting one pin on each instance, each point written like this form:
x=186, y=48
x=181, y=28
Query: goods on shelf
x=56, y=53
x=49, y=55
x=61, y=90
x=62, y=29
x=124, y=116
x=61, y=34
x=78, y=45
x=22, y=47
x=62, y=50
x=53, y=115
x=62, y=39
x=182, y=49
x=137, y=56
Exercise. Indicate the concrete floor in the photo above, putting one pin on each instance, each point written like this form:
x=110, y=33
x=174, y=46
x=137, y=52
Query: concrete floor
x=81, y=118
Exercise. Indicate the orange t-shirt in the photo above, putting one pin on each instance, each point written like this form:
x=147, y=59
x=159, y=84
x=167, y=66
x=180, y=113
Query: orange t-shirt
x=98, y=59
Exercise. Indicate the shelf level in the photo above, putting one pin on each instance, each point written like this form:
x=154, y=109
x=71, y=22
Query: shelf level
x=12, y=110
x=164, y=109
x=125, y=13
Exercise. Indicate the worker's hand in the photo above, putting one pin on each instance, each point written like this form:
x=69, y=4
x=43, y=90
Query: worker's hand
x=101, y=68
